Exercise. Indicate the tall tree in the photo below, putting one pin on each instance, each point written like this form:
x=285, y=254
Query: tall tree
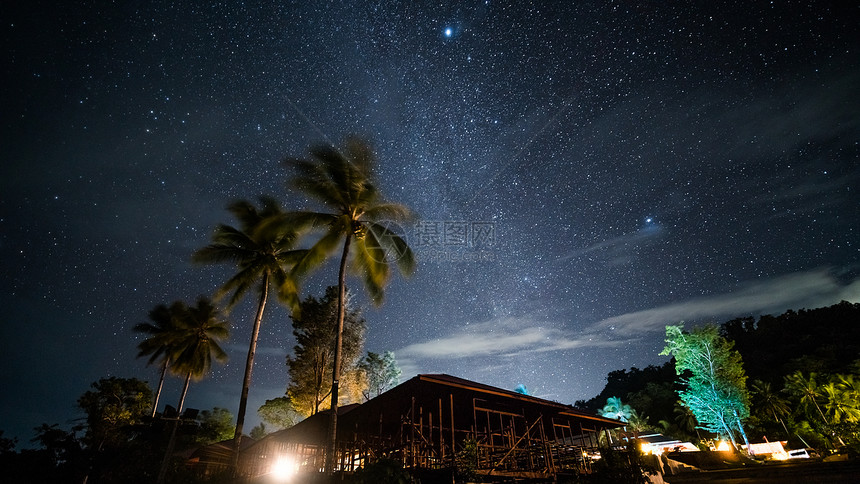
x=162, y=331
x=343, y=182
x=382, y=373
x=312, y=363
x=263, y=253
x=806, y=390
x=199, y=330
x=769, y=401
x=716, y=388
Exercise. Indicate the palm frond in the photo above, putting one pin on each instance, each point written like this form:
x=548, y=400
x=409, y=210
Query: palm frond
x=396, y=249
x=321, y=250
x=390, y=211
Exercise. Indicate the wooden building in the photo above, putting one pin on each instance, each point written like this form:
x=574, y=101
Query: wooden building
x=426, y=423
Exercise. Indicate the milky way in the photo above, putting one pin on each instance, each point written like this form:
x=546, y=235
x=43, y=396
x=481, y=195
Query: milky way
x=585, y=175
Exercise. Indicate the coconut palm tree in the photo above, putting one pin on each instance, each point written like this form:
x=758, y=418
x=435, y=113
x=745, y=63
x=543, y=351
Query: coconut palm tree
x=769, y=401
x=839, y=404
x=196, y=342
x=806, y=390
x=200, y=330
x=158, y=346
x=686, y=419
x=263, y=253
x=343, y=182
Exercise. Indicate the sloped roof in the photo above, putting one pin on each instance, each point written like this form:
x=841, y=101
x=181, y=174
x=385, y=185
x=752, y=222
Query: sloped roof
x=453, y=381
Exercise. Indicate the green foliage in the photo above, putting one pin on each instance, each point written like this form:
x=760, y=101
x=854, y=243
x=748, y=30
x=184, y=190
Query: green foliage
x=716, y=389
x=259, y=431
x=197, y=337
x=215, y=426
x=262, y=250
x=617, y=410
x=625, y=383
x=310, y=368
x=467, y=461
x=342, y=180
x=112, y=407
x=279, y=412
x=380, y=373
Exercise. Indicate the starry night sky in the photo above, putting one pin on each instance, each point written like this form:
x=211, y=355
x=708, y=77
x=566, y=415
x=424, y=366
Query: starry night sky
x=617, y=165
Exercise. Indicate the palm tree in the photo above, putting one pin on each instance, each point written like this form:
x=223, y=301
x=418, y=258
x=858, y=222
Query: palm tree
x=806, y=390
x=199, y=329
x=263, y=253
x=686, y=419
x=162, y=331
x=617, y=410
x=839, y=403
x=343, y=182
x=769, y=401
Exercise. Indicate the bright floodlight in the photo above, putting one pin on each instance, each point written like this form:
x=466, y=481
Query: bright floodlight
x=284, y=468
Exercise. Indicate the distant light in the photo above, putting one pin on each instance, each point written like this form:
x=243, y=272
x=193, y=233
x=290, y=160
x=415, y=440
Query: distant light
x=723, y=445
x=449, y=32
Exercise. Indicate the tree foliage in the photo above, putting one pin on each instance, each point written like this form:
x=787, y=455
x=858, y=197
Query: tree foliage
x=310, y=367
x=279, y=413
x=263, y=254
x=112, y=406
x=715, y=382
x=216, y=425
x=343, y=182
x=380, y=373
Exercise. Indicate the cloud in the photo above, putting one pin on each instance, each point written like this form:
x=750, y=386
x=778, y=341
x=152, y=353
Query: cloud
x=617, y=249
x=811, y=289
x=508, y=336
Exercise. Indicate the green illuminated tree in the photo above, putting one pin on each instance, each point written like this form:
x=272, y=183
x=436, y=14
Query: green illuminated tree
x=381, y=373
x=715, y=387
x=263, y=253
x=617, y=410
x=279, y=412
x=342, y=180
x=312, y=362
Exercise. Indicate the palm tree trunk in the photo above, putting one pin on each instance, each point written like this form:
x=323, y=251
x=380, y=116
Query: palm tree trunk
x=160, y=386
x=787, y=435
x=171, y=443
x=249, y=365
x=335, y=379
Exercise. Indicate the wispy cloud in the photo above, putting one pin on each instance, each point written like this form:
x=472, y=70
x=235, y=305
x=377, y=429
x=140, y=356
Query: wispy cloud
x=801, y=290
x=239, y=348
x=617, y=249
x=508, y=336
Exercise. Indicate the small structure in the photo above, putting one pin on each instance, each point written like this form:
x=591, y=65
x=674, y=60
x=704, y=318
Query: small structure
x=659, y=443
x=432, y=423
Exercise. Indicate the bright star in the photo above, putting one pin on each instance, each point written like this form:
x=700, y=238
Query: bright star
x=449, y=32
